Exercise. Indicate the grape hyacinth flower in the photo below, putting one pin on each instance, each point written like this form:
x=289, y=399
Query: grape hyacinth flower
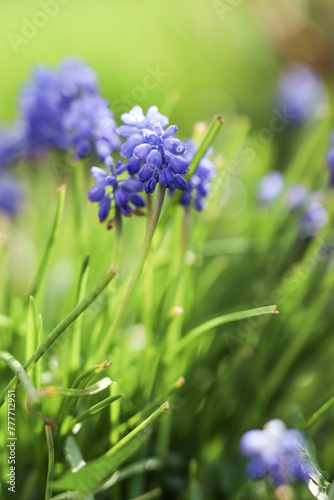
x=278, y=453
x=270, y=187
x=199, y=183
x=11, y=196
x=300, y=92
x=89, y=126
x=134, y=122
x=47, y=96
x=164, y=158
x=109, y=189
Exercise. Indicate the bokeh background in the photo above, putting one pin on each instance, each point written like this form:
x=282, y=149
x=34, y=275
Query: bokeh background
x=212, y=55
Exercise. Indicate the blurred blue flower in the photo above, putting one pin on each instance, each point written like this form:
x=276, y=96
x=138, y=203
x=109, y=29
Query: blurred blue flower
x=278, y=453
x=47, y=96
x=11, y=195
x=310, y=205
x=134, y=121
x=330, y=160
x=12, y=144
x=89, y=127
x=164, y=158
x=109, y=189
x=300, y=92
x=199, y=183
x=313, y=214
x=270, y=187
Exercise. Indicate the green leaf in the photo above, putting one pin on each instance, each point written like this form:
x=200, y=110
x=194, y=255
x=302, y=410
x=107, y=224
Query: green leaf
x=90, y=477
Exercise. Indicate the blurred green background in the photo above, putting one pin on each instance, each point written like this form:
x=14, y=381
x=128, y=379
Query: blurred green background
x=211, y=55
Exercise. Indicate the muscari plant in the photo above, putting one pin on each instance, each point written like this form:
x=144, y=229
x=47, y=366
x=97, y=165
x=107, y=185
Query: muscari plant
x=62, y=114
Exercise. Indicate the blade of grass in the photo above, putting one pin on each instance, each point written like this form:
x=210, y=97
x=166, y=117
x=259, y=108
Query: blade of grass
x=51, y=461
x=76, y=338
x=53, y=237
x=222, y=320
x=96, y=408
x=132, y=421
x=74, y=457
x=90, y=477
x=61, y=327
x=138, y=468
x=320, y=412
x=156, y=493
x=39, y=336
x=31, y=331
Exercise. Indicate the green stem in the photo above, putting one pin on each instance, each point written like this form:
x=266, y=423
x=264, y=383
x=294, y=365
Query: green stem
x=137, y=272
x=61, y=327
x=53, y=236
x=51, y=461
x=117, y=239
x=319, y=413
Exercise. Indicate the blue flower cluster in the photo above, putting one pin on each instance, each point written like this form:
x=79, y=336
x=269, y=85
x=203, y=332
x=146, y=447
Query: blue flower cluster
x=109, y=188
x=310, y=205
x=46, y=98
x=278, y=453
x=62, y=109
x=89, y=128
x=152, y=151
x=199, y=183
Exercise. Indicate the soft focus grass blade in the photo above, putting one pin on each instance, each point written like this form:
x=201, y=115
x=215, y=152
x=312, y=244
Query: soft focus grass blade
x=31, y=330
x=51, y=461
x=59, y=329
x=137, y=468
x=150, y=495
x=96, y=408
x=89, y=478
x=53, y=237
x=76, y=337
x=222, y=320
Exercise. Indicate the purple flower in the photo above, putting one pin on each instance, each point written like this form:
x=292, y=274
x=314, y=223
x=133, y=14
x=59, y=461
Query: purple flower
x=110, y=190
x=299, y=94
x=47, y=96
x=89, y=127
x=11, y=196
x=278, y=453
x=134, y=121
x=163, y=157
x=270, y=187
x=199, y=183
